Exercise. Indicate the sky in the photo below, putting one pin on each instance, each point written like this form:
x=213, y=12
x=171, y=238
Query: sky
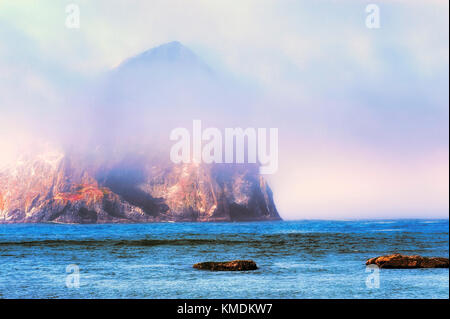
x=362, y=113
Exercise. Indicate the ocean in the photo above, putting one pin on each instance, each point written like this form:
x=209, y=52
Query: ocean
x=296, y=259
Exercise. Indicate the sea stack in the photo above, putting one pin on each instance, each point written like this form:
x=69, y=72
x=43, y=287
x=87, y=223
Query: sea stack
x=70, y=189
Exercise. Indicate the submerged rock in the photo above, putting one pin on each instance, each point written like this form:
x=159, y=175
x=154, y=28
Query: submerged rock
x=398, y=261
x=235, y=265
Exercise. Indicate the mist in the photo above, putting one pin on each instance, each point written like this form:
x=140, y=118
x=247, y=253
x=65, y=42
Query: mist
x=362, y=114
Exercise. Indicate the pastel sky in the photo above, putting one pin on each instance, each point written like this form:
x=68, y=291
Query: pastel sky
x=363, y=113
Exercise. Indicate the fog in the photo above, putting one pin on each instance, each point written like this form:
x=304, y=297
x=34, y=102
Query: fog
x=362, y=114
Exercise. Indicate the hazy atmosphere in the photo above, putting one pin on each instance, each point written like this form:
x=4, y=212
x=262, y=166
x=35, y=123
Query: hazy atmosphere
x=362, y=114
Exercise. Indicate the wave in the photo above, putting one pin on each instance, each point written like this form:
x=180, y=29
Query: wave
x=280, y=240
x=137, y=242
x=379, y=222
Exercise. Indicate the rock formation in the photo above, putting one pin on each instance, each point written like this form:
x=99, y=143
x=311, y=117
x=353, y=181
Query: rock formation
x=235, y=265
x=399, y=261
x=120, y=170
x=56, y=187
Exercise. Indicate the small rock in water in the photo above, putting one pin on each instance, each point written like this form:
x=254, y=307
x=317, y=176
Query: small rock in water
x=398, y=261
x=235, y=265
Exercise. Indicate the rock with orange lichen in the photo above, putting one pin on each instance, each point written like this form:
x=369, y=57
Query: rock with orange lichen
x=399, y=261
x=63, y=189
x=87, y=192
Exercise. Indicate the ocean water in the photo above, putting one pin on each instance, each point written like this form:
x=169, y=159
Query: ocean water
x=298, y=259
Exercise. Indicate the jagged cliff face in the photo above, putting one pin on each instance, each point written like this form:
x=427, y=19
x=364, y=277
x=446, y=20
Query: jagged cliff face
x=55, y=187
x=120, y=170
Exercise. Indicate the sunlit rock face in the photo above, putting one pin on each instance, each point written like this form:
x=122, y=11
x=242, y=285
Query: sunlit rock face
x=55, y=187
x=118, y=168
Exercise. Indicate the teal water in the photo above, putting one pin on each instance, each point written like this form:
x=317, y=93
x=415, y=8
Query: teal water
x=298, y=259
